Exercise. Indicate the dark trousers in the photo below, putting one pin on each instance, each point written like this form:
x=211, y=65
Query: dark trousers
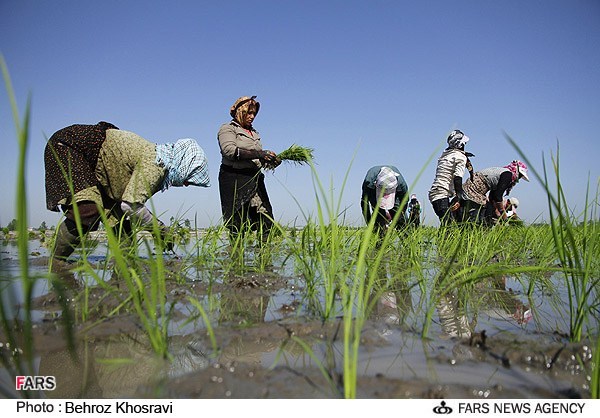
x=441, y=207
x=237, y=187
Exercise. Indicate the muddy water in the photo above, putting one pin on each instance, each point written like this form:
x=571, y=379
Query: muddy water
x=507, y=347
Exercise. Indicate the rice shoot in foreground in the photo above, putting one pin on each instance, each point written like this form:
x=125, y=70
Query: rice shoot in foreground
x=297, y=154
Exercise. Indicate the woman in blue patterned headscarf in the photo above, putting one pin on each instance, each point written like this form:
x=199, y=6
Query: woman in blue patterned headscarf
x=124, y=171
x=185, y=162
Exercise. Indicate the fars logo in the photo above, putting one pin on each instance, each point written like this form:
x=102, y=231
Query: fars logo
x=35, y=382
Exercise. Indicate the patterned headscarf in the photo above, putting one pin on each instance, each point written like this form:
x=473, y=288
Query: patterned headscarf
x=457, y=139
x=517, y=167
x=385, y=186
x=185, y=161
x=241, y=107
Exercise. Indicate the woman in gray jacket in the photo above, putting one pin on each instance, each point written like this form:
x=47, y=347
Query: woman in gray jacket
x=244, y=199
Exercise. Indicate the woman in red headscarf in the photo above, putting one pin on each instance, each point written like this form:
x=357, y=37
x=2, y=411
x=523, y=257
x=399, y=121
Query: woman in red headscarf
x=498, y=182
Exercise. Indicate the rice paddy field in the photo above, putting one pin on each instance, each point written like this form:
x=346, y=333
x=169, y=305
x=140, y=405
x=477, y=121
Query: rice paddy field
x=319, y=312
x=323, y=310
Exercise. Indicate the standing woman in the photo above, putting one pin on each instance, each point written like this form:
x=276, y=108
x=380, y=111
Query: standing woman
x=244, y=199
x=449, y=174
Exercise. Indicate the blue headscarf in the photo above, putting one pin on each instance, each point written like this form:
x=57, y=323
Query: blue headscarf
x=185, y=161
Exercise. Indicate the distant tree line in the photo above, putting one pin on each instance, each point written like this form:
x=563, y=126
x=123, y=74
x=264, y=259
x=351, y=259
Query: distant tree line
x=12, y=226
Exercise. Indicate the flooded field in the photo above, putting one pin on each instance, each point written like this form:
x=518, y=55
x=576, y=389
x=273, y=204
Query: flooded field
x=302, y=320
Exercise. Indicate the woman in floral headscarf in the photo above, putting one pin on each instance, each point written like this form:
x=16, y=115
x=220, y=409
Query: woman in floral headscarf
x=94, y=168
x=244, y=199
x=498, y=182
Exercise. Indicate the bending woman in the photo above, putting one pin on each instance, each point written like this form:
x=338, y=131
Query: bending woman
x=488, y=186
x=94, y=168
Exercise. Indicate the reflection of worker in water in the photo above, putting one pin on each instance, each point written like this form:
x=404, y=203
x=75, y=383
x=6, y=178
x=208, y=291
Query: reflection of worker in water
x=243, y=306
x=118, y=366
x=390, y=304
x=494, y=301
x=453, y=316
x=504, y=304
x=392, y=307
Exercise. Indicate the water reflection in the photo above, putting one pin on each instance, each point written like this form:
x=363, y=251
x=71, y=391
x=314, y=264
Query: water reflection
x=243, y=306
x=460, y=309
x=390, y=299
x=392, y=307
x=118, y=367
x=453, y=318
x=502, y=303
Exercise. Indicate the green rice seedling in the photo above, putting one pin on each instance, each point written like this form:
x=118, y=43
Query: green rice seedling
x=326, y=372
x=206, y=254
x=357, y=295
x=297, y=154
x=577, y=246
x=27, y=281
x=470, y=255
x=532, y=246
x=147, y=295
x=344, y=263
x=358, y=304
x=323, y=242
x=595, y=375
x=325, y=254
x=238, y=244
x=17, y=351
x=304, y=249
x=209, y=329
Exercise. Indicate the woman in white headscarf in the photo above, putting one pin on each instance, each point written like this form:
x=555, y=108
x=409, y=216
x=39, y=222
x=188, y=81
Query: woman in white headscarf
x=383, y=192
x=449, y=174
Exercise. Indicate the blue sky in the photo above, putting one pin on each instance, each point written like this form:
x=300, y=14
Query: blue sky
x=364, y=83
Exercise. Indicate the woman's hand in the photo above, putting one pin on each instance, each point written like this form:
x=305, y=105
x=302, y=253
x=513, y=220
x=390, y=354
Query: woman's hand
x=269, y=159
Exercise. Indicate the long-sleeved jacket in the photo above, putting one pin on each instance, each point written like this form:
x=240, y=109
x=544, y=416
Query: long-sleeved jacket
x=233, y=137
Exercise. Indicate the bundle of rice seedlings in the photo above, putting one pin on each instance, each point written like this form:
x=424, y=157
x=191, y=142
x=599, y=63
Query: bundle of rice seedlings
x=297, y=154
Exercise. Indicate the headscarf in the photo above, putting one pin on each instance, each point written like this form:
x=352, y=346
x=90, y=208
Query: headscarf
x=241, y=107
x=185, y=161
x=457, y=139
x=385, y=186
x=517, y=167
